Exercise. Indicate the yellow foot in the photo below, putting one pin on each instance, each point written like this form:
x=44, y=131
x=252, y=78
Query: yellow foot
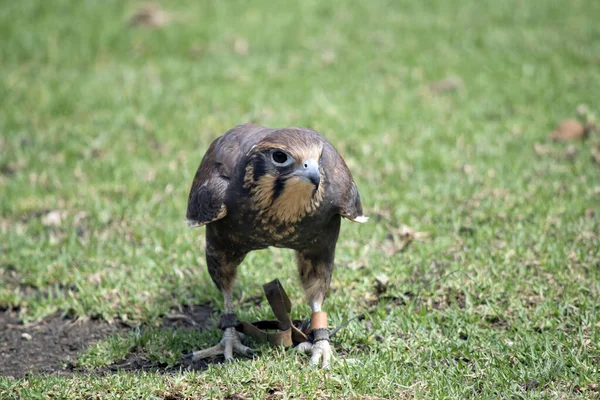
x=231, y=341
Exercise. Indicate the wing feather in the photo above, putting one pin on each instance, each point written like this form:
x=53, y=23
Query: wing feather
x=343, y=190
x=206, y=201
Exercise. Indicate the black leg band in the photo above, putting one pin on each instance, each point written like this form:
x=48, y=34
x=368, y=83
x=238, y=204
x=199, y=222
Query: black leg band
x=228, y=320
x=320, y=334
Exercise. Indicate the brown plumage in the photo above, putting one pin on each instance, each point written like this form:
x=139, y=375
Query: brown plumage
x=258, y=187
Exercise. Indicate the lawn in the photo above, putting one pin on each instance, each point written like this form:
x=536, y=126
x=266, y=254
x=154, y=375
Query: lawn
x=442, y=110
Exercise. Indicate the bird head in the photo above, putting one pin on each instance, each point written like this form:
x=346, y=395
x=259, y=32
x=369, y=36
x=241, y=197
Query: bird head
x=284, y=174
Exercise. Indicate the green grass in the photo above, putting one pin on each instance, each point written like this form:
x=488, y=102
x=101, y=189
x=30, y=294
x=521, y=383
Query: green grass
x=107, y=125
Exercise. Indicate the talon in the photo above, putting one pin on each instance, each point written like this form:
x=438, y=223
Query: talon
x=316, y=357
x=304, y=347
x=229, y=344
x=326, y=358
x=320, y=352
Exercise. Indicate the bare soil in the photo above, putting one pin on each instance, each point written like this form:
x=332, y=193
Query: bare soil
x=49, y=346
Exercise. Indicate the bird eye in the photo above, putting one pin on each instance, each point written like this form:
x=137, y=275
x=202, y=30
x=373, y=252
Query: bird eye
x=279, y=157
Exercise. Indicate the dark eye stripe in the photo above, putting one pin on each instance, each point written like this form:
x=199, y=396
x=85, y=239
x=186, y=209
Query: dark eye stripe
x=278, y=188
x=259, y=168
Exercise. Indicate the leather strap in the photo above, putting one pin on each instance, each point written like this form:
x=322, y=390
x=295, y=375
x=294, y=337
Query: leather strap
x=318, y=320
x=280, y=332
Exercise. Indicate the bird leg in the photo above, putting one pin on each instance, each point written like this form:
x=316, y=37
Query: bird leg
x=320, y=348
x=232, y=339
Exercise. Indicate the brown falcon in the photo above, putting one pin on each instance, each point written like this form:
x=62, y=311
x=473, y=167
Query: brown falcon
x=258, y=187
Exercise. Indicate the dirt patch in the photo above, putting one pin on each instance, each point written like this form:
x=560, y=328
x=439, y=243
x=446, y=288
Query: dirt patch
x=189, y=317
x=46, y=347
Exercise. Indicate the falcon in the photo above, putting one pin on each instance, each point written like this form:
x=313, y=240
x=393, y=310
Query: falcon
x=258, y=187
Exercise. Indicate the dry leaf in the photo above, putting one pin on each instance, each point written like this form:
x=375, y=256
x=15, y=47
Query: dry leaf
x=400, y=238
x=53, y=218
x=541, y=149
x=357, y=264
x=328, y=57
x=571, y=129
x=241, y=46
x=151, y=15
x=445, y=85
x=467, y=169
x=370, y=298
x=381, y=283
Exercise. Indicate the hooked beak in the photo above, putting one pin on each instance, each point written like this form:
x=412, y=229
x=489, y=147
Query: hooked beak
x=309, y=171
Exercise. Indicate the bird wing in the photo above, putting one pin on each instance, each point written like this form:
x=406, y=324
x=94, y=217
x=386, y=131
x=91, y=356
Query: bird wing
x=343, y=191
x=206, y=201
x=351, y=207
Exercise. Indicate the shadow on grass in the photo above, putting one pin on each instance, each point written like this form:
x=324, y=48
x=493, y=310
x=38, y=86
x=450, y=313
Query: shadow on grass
x=137, y=361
